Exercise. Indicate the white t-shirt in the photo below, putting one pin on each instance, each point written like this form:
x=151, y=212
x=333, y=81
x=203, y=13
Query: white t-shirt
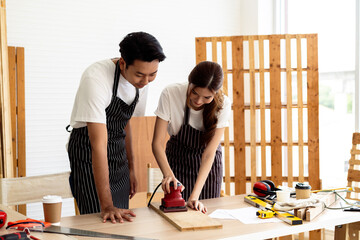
x=172, y=104
x=95, y=92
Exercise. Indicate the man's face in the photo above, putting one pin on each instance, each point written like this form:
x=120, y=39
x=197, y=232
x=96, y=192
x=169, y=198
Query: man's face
x=140, y=73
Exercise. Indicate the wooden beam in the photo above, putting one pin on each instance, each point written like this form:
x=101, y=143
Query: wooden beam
x=313, y=110
x=275, y=110
x=239, y=126
x=6, y=135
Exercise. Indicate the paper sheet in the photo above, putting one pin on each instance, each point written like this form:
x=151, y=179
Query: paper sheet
x=244, y=215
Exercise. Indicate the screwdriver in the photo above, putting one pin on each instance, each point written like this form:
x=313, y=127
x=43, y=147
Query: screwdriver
x=14, y=236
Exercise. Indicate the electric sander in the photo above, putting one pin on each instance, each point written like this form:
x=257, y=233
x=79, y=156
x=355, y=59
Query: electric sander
x=173, y=201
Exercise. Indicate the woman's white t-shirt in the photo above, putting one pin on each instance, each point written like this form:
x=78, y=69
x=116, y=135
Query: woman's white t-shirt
x=172, y=105
x=95, y=92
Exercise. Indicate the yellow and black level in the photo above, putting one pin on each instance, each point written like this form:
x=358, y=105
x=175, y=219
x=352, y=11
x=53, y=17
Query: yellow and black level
x=285, y=216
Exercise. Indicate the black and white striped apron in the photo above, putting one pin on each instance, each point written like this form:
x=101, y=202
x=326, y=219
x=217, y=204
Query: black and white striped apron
x=184, y=153
x=82, y=182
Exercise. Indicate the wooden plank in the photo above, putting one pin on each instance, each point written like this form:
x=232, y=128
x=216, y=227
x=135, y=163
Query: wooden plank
x=327, y=198
x=214, y=50
x=21, y=138
x=252, y=112
x=226, y=132
x=355, y=151
x=255, y=37
x=289, y=112
x=313, y=111
x=188, y=221
x=354, y=162
x=7, y=152
x=356, y=138
x=275, y=110
x=262, y=108
x=12, y=84
x=353, y=175
x=238, y=106
x=300, y=108
x=200, y=45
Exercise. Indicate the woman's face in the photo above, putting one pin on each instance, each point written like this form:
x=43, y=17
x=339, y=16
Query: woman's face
x=198, y=96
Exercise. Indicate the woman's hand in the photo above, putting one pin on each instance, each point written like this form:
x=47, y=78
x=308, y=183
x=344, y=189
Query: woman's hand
x=133, y=184
x=114, y=213
x=197, y=205
x=165, y=183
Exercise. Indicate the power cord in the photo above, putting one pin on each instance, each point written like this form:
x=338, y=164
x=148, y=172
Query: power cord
x=153, y=194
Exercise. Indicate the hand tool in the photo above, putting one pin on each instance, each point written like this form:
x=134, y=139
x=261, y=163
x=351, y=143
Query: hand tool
x=265, y=205
x=40, y=226
x=79, y=232
x=265, y=213
x=173, y=201
x=14, y=236
x=332, y=190
x=2, y=218
x=352, y=209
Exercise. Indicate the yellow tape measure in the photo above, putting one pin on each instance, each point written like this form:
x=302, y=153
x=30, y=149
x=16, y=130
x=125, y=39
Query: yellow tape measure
x=265, y=214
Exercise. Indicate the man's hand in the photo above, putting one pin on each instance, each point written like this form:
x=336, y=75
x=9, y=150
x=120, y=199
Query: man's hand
x=114, y=213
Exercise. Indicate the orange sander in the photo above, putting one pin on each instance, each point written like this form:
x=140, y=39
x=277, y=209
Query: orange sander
x=173, y=201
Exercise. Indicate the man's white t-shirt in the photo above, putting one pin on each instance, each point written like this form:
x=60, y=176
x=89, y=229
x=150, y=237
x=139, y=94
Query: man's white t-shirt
x=172, y=105
x=95, y=92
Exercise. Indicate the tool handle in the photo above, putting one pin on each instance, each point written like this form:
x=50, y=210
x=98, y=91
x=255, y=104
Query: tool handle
x=352, y=209
x=14, y=236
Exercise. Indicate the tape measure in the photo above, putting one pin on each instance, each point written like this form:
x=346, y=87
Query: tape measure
x=265, y=214
x=266, y=206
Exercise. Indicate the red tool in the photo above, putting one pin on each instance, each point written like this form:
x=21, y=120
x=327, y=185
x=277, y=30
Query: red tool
x=2, y=218
x=28, y=223
x=173, y=201
x=14, y=236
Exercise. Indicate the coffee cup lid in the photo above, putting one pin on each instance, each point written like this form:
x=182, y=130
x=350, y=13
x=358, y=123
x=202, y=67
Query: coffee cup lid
x=52, y=199
x=302, y=186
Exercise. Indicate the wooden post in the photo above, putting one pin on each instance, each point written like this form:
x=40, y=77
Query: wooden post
x=313, y=111
x=275, y=110
x=6, y=135
x=238, y=106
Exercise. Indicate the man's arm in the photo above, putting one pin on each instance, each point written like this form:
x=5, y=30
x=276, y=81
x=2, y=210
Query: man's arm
x=98, y=140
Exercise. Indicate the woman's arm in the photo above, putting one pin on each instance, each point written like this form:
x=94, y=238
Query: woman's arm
x=160, y=156
x=130, y=157
x=98, y=140
x=207, y=160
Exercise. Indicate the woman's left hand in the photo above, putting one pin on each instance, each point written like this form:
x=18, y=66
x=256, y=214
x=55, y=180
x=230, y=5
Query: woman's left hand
x=133, y=184
x=197, y=205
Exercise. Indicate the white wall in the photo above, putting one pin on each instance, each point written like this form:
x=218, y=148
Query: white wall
x=61, y=38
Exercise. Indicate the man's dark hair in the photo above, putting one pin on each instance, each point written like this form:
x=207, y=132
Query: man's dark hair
x=140, y=46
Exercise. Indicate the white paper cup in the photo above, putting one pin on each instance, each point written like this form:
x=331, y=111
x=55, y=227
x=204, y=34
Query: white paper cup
x=52, y=209
x=283, y=195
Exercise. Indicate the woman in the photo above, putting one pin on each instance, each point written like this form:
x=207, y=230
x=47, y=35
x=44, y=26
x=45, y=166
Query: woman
x=195, y=115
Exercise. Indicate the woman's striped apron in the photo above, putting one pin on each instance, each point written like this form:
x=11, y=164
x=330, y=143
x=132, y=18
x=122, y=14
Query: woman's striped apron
x=184, y=153
x=82, y=182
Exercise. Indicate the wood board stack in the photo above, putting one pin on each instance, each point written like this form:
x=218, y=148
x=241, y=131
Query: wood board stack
x=326, y=199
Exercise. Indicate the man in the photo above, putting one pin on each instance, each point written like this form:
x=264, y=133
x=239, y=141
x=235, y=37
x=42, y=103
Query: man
x=102, y=170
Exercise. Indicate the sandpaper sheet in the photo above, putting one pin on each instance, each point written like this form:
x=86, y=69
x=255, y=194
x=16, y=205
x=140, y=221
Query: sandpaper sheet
x=188, y=221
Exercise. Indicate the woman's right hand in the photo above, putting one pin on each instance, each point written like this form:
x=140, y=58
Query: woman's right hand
x=114, y=213
x=165, y=184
